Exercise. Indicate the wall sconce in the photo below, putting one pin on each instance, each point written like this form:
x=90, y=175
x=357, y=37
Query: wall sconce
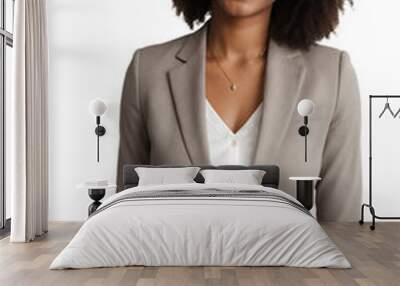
x=305, y=109
x=97, y=107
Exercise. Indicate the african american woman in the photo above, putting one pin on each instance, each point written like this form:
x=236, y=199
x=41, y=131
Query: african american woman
x=227, y=94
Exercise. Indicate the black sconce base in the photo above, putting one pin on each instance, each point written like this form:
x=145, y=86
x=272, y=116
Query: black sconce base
x=100, y=130
x=304, y=131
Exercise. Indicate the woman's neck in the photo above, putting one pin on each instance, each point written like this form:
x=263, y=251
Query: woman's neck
x=238, y=38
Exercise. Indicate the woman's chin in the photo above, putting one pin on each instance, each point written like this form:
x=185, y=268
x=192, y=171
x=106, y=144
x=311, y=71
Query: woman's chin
x=244, y=8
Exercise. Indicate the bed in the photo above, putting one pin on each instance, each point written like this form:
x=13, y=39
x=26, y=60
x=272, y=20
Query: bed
x=201, y=224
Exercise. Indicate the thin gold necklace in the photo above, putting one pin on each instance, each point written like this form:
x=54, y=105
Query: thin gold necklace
x=232, y=85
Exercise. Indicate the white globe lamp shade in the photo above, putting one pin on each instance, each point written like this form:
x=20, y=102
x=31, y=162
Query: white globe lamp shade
x=97, y=107
x=305, y=107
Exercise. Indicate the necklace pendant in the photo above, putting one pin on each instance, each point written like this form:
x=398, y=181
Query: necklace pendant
x=233, y=87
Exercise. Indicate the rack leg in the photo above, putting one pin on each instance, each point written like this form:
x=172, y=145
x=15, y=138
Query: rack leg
x=361, y=221
x=372, y=210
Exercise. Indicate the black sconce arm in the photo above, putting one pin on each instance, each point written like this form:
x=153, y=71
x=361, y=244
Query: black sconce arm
x=304, y=131
x=100, y=131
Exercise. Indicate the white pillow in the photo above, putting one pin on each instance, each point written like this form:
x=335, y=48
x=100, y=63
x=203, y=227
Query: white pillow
x=248, y=177
x=162, y=176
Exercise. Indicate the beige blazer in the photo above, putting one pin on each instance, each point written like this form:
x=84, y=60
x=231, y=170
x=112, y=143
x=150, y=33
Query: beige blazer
x=162, y=118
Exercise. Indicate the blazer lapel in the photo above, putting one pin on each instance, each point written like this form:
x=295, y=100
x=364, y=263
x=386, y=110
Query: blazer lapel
x=284, y=80
x=187, y=83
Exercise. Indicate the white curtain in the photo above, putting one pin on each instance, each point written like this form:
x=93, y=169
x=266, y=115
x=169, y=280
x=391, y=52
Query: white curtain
x=28, y=159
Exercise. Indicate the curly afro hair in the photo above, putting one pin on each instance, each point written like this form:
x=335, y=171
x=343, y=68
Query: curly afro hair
x=297, y=24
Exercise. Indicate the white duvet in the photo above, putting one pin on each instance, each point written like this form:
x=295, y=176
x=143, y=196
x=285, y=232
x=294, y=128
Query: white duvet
x=200, y=231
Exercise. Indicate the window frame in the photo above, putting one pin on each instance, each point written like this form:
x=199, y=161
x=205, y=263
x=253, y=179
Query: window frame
x=6, y=39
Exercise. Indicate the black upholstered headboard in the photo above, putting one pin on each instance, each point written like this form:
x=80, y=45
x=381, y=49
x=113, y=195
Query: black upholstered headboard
x=271, y=177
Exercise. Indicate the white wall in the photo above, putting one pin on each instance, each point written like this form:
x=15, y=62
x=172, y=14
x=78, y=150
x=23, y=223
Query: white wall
x=368, y=33
x=91, y=43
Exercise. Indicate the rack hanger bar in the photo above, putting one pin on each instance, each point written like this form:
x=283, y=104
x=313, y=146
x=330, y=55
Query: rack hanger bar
x=384, y=96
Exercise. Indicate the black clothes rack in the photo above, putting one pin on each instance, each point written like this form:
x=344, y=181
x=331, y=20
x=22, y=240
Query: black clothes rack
x=370, y=204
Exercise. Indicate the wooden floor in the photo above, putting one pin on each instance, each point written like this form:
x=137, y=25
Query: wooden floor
x=375, y=257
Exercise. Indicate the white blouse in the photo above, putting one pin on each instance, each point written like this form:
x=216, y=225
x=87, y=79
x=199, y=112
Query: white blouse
x=226, y=147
